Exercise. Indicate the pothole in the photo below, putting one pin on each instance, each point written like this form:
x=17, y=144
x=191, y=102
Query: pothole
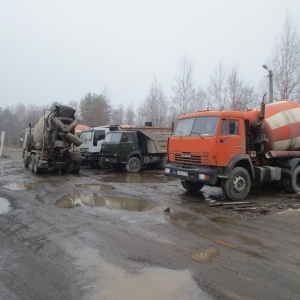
x=4, y=206
x=100, y=187
x=143, y=177
x=110, y=202
x=20, y=186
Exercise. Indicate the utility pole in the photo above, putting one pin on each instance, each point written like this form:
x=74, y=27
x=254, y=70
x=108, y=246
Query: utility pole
x=270, y=83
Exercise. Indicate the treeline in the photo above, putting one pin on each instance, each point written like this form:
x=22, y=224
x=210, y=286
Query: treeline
x=225, y=90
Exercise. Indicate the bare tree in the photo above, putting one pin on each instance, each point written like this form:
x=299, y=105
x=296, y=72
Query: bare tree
x=218, y=88
x=155, y=106
x=130, y=115
x=286, y=63
x=183, y=88
x=117, y=115
x=228, y=91
x=240, y=94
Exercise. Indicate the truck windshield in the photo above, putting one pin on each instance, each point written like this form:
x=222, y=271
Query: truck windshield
x=202, y=126
x=113, y=137
x=86, y=136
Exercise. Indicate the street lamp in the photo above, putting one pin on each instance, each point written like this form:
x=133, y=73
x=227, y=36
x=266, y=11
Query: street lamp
x=270, y=83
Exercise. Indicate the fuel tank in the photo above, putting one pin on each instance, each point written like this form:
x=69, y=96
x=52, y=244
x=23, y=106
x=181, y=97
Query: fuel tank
x=280, y=123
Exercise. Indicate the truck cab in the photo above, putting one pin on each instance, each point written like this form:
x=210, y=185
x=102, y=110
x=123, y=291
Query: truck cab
x=92, y=140
x=204, y=146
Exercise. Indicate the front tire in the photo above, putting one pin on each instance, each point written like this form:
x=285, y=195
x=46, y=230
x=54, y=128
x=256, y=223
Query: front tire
x=192, y=186
x=237, y=186
x=134, y=165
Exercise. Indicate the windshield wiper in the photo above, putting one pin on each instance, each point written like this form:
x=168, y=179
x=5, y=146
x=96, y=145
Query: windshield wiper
x=197, y=133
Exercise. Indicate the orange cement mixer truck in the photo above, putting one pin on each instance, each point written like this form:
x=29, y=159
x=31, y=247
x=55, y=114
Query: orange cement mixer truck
x=237, y=150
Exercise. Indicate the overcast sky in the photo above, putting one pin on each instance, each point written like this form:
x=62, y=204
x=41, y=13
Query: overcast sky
x=59, y=50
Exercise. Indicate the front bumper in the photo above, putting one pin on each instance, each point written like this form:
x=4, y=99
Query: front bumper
x=192, y=173
x=111, y=160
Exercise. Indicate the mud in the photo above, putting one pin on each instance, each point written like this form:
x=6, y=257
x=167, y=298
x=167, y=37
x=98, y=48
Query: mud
x=105, y=235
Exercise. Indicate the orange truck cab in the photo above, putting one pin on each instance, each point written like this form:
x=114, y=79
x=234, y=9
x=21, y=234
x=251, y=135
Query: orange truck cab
x=232, y=150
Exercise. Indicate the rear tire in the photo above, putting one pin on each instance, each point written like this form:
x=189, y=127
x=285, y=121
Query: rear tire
x=36, y=169
x=192, y=186
x=30, y=166
x=296, y=180
x=237, y=186
x=76, y=168
x=26, y=161
x=134, y=165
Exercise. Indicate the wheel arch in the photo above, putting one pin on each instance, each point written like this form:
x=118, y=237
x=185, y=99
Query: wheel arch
x=242, y=161
x=136, y=154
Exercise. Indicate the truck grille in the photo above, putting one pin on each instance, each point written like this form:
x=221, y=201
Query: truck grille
x=200, y=158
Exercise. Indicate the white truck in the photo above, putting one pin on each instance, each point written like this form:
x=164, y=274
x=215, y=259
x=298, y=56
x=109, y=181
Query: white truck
x=90, y=149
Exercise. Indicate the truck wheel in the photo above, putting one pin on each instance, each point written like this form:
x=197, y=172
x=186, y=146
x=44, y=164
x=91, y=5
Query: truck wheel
x=76, y=168
x=103, y=165
x=30, y=166
x=134, y=165
x=237, y=186
x=296, y=180
x=36, y=169
x=25, y=159
x=192, y=186
x=163, y=162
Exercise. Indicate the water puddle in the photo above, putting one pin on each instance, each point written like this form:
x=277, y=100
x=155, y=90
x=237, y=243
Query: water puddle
x=143, y=177
x=100, y=187
x=111, y=202
x=20, y=186
x=205, y=256
x=110, y=282
x=4, y=206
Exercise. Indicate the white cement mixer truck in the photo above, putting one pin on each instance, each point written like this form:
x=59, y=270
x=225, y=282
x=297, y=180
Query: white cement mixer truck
x=49, y=146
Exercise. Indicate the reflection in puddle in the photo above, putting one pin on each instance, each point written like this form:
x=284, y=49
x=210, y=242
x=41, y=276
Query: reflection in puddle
x=149, y=283
x=20, y=186
x=143, y=177
x=111, y=202
x=4, y=206
x=100, y=187
x=205, y=256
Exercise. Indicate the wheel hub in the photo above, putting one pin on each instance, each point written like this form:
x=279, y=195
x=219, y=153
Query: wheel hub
x=239, y=184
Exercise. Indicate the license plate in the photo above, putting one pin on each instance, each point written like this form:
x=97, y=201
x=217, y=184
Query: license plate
x=181, y=173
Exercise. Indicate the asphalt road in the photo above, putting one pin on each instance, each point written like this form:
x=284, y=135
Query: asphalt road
x=107, y=235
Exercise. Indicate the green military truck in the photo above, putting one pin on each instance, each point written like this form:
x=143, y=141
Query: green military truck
x=135, y=148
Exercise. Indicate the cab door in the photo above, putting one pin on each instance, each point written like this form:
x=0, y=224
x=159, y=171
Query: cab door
x=231, y=140
x=127, y=144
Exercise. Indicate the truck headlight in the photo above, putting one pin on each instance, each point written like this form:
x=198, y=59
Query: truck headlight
x=167, y=170
x=203, y=176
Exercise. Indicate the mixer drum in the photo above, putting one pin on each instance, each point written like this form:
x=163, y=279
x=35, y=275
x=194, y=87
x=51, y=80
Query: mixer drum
x=282, y=126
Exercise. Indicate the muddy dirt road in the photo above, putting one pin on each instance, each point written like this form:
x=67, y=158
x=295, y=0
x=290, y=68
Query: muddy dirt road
x=106, y=235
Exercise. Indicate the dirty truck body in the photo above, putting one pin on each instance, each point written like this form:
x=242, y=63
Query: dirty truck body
x=90, y=149
x=239, y=150
x=50, y=144
x=135, y=148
